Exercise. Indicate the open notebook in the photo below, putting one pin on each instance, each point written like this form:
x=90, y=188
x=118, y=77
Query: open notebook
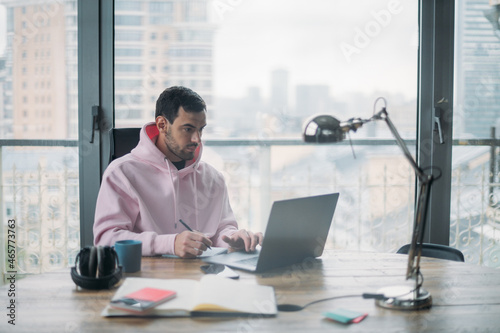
x=211, y=296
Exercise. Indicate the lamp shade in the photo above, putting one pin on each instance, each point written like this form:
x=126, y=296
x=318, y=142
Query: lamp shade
x=323, y=129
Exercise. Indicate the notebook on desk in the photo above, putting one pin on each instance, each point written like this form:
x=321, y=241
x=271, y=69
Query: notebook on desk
x=297, y=229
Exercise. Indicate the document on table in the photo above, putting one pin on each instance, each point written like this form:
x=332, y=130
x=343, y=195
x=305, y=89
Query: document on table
x=208, y=253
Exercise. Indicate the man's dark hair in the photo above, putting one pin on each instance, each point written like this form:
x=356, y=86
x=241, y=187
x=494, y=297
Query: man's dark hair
x=172, y=98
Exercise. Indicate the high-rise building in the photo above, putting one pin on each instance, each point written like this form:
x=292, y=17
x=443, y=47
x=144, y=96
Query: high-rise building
x=159, y=44
x=36, y=84
x=279, y=89
x=5, y=118
x=477, y=59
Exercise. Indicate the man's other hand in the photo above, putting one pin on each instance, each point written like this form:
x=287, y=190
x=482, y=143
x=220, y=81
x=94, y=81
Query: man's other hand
x=243, y=239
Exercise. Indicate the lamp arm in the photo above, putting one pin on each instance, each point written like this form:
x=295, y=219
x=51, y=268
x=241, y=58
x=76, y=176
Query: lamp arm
x=422, y=203
x=419, y=223
x=384, y=116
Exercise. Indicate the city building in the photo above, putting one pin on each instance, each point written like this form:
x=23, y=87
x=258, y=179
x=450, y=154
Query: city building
x=279, y=90
x=36, y=84
x=477, y=59
x=6, y=119
x=160, y=44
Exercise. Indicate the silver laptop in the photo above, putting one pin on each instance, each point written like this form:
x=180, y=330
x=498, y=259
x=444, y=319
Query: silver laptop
x=297, y=229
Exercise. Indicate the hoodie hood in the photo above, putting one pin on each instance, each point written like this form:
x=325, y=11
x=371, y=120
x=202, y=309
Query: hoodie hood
x=147, y=151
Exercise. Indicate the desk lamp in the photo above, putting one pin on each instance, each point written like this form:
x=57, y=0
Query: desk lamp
x=327, y=129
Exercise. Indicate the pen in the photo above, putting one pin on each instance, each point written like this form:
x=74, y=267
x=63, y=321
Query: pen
x=189, y=228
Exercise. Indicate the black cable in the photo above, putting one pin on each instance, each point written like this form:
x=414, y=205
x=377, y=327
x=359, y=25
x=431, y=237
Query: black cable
x=295, y=307
x=329, y=299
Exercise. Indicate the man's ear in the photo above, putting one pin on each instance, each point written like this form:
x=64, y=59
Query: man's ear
x=161, y=123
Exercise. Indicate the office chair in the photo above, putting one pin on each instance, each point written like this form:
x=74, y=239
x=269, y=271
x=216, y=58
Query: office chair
x=122, y=141
x=436, y=251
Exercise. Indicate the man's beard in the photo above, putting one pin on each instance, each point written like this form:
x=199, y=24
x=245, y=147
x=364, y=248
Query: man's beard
x=175, y=149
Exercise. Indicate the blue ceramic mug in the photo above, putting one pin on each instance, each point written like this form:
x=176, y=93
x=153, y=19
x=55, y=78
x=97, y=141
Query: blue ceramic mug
x=129, y=254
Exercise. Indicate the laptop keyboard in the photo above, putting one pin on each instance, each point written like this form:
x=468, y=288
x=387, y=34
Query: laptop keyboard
x=249, y=261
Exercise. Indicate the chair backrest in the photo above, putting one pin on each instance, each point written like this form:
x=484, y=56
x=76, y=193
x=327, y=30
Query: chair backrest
x=122, y=141
x=437, y=251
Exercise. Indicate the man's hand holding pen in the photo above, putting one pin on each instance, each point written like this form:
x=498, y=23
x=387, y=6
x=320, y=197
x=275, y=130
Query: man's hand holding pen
x=189, y=244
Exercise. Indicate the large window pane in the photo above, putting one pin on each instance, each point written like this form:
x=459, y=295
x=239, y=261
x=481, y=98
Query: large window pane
x=475, y=224
x=38, y=112
x=266, y=66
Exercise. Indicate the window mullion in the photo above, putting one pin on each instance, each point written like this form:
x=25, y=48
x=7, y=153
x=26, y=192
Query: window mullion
x=435, y=104
x=95, y=21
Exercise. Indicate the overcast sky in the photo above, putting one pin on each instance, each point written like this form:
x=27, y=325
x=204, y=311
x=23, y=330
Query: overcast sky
x=306, y=38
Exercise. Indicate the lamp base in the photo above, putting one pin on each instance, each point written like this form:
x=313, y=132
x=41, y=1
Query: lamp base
x=404, y=298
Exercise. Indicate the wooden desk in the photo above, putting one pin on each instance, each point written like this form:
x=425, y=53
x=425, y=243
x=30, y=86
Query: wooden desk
x=466, y=298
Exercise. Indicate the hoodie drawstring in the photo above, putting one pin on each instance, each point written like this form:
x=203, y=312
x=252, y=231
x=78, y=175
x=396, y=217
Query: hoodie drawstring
x=195, y=197
x=174, y=191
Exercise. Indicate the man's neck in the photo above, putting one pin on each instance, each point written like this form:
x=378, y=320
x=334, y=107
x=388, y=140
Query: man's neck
x=180, y=164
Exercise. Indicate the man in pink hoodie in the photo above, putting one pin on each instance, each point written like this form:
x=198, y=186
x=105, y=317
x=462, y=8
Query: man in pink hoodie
x=146, y=193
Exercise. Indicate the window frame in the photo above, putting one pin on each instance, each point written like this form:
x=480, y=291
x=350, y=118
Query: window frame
x=95, y=88
x=436, y=65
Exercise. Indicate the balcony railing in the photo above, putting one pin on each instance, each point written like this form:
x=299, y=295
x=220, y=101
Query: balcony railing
x=375, y=210
x=39, y=204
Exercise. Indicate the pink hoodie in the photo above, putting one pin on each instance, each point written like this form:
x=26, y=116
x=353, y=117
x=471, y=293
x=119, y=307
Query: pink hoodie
x=143, y=196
